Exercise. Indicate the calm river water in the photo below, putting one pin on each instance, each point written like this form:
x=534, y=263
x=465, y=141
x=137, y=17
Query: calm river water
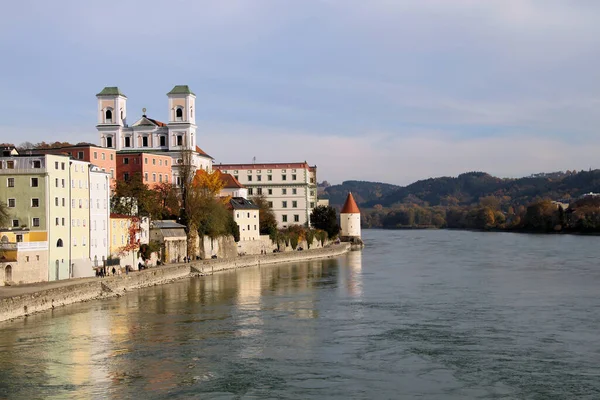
x=416, y=314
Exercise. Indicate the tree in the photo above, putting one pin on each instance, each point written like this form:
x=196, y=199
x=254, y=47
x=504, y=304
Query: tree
x=166, y=204
x=325, y=218
x=211, y=183
x=266, y=218
x=133, y=197
x=4, y=215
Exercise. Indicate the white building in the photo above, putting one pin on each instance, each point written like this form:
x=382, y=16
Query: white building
x=232, y=187
x=246, y=215
x=99, y=215
x=290, y=188
x=151, y=135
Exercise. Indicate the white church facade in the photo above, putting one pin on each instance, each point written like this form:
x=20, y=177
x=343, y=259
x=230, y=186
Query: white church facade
x=150, y=135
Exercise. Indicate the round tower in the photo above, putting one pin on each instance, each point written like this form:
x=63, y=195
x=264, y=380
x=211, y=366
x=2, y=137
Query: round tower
x=350, y=219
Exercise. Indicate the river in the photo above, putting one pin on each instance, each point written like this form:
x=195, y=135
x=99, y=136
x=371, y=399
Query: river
x=416, y=314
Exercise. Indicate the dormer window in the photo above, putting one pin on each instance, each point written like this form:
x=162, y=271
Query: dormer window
x=108, y=116
x=163, y=141
x=127, y=141
x=179, y=114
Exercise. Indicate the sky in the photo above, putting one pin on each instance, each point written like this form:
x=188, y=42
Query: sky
x=380, y=90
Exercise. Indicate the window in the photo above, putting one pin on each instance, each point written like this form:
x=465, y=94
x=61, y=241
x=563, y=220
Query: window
x=270, y=204
x=56, y=201
x=15, y=223
x=19, y=238
x=56, y=182
x=167, y=178
x=126, y=176
x=284, y=204
x=84, y=222
x=12, y=203
x=259, y=178
x=312, y=204
x=10, y=182
x=163, y=141
x=153, y=177
x=179, y=140
x=35, y=202
x=312, y=180
x=125, y=160
x=284, y=177
x=146, y=176
x=80, y=155
x=269, y=177
x=144, y=141
x=34, y=182
x=127, y=141
x=73, y=222
x=76, y=168
x=283, y=191
x=248, y=216
x=284, y=218
x=74, y=241
x=108, y=116
x=154, y=161
x=296, y=218
x=62, y=183
x=179, y=114
x=109, y=142
x=294, y=204
x=103, y=156
x=80, y=203
x=249, y=178
x=259, y=191
x=312, y=193
x=62, y=221
x=270, y=191
x=72, y=203
x=160, y=177
x=36, y=222
x=294, y=191
x=37, y=164
x=293, y=177
x=254, y=227
x=236, y=177
x=111, y=157
x=63, y=201
x=55, y=164
x=10, y=164
x=159, y=162
x=62, y=166
x=250, y=192
x=57, y=221
x=248, y=227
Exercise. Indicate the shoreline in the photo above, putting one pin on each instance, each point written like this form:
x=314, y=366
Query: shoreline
x=35, y=298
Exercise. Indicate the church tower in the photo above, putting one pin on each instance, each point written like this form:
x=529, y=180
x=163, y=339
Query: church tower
x=182, y=118
x=350, y=220
x=112, y=116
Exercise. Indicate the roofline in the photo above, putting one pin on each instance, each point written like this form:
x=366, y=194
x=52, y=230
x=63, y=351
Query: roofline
x=264, y=165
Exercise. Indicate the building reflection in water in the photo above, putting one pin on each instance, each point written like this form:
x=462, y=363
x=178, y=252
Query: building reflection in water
x=160, y=338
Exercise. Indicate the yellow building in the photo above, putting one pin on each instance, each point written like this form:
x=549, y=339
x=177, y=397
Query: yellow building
x=23, y=256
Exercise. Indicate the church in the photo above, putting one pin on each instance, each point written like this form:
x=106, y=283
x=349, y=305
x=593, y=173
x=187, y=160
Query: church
x=149, y=135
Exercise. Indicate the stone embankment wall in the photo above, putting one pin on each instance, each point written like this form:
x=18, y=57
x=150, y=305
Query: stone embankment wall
x=45, y=299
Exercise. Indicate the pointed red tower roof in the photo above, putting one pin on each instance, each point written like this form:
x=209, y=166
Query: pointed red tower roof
x=350, y=206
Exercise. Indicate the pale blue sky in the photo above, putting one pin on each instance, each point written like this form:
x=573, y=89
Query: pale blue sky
x=381, y=90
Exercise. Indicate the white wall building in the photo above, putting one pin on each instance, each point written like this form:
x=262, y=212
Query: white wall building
x=232, y=187
x=151, y=135
x=350, y=219
x=99, y=215
x=290, y=188
x=246, y=215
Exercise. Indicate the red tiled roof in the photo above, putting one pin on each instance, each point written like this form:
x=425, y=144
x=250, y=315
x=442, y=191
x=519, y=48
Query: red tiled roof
x=202, y=152
x=230, y=181
x=350, y=206
x=156, y=122
x=262, y=166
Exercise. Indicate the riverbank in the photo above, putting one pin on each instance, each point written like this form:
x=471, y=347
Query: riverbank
x=20, y=301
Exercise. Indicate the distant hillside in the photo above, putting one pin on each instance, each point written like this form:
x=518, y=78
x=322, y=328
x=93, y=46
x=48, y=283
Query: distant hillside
x=468, y=188
x=361, y=190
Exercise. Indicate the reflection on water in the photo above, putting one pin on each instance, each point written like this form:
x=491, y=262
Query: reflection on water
x=157, y=339
x=426, y=314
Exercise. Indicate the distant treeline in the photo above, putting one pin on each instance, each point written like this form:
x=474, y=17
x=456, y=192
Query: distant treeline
x=491, y=214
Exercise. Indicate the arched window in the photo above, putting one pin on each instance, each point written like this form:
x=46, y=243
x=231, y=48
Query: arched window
x=179, y=114
x=8, y=273
x=4, y=239
x=108, y=115
x=59, y=243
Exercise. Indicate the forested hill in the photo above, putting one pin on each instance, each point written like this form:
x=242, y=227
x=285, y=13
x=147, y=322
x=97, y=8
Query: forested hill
x=468, y=188
x=361, y=190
